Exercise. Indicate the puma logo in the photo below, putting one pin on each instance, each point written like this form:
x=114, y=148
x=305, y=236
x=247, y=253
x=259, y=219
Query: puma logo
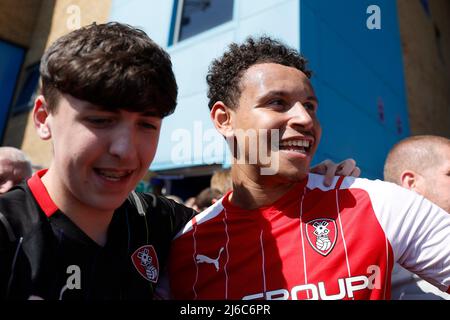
x=200, y=258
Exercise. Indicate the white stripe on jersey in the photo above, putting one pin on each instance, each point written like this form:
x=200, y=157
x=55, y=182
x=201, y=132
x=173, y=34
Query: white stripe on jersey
x=303, y=242
x=343, y=237
x=263, y=262
x=386, y=275
x=207, y=214
x=226, y=250
x=194, y=241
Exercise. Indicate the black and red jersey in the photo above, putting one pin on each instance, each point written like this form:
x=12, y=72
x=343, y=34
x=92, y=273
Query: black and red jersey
x=44, y=255
x=313, y=243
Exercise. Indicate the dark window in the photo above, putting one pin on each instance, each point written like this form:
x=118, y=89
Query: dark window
x=27, y=92
x=192, y=17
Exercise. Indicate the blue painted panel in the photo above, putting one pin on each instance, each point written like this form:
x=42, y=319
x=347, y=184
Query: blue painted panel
x=11, y=59
x=349, y=131
x=358, y=78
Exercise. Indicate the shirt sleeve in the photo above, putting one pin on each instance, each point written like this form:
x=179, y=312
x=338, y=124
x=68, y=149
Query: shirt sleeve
x=180, y=215
x=417, y=229
x=166, y=215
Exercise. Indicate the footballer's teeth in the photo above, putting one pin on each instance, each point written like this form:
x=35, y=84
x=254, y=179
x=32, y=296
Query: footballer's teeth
x=302, y=151
x=113, y=175
x=299, y=146
x=295, y=143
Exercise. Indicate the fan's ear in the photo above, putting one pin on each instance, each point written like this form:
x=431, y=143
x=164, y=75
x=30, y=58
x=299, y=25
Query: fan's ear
x=222, y=117
x=40, y=118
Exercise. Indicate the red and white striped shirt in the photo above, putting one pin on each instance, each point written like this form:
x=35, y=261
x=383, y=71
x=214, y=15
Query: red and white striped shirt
x=315, y=242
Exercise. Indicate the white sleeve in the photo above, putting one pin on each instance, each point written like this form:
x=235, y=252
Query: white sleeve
x=417, y=229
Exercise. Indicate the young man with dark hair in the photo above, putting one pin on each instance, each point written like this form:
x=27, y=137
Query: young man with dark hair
x=77, y=230
x=70, y=232
x=284, y=235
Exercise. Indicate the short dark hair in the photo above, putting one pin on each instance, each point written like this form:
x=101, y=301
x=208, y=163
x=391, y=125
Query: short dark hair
x=225, y=73
x=112, y=65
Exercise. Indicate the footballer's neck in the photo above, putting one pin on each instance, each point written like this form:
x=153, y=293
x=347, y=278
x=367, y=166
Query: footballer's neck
x=92, y=221
x=251, y=190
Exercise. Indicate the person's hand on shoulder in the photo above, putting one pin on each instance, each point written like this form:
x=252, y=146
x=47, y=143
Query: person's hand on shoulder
x=330, y=169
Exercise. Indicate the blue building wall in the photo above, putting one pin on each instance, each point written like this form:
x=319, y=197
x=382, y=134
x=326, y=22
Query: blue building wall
x=11, y=59
x=358, y=78
x=358, y=74
x=191, y=59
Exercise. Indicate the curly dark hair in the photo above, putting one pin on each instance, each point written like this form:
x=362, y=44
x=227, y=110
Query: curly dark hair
x=112, y=65
x=225, y=73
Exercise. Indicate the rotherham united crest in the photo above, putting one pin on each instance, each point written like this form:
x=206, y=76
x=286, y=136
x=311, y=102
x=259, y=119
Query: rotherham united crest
x=146, y=263
x=322, y=235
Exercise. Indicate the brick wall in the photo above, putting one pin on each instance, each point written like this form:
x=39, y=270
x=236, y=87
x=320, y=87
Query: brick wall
x=17, y=20
x=426, y=59
x=51, y=19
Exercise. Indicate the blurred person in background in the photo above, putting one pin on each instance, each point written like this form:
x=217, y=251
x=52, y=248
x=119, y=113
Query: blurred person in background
x=221, y=181
x=14, y=168
x=175, y=198
x=206, y=198
x=420, y=164
x=190, y=202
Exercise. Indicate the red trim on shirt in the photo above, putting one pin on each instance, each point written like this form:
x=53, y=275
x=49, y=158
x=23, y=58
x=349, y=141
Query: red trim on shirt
x=40, y=193
x=339, y=182
x=448, y=290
